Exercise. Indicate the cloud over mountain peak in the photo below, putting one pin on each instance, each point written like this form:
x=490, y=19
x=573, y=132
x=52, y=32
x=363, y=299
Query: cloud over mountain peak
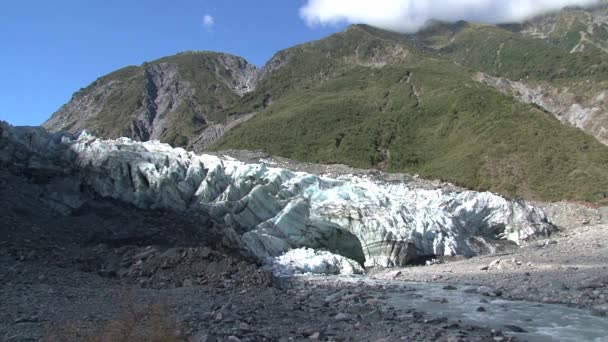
x=411, y=15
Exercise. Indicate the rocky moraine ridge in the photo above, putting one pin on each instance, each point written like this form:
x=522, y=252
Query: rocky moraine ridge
x=269, y=211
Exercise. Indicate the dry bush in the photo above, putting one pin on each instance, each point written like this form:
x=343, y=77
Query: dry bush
x=151, y=323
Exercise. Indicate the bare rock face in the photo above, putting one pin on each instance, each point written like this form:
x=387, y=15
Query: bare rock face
x=213, y=133
x=165, y=91
x=242, y=77
x=590, y=115
x=270, y=211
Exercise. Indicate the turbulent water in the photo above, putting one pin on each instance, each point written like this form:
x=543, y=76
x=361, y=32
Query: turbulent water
x=529, y=321
x=269, y=211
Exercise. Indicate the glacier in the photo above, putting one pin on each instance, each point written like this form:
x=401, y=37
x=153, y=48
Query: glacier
x=269, y=211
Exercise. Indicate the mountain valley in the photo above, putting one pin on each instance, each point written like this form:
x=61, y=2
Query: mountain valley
x=444, y=185
x=435, y=104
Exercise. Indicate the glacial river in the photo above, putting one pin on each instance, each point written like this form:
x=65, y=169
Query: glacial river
x=541, y=322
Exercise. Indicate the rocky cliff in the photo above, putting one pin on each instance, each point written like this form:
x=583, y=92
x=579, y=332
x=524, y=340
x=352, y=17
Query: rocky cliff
x=269, y=211
x=589, y=114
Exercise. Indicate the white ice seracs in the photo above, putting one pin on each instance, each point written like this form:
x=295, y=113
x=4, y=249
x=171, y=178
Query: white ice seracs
x=270, y=211
x=306, y=260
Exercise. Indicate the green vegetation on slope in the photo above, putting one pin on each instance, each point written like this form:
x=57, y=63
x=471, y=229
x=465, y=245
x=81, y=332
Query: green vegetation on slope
x=573, y=29
x=420, y=115
x=124, y=98
x=512, y=55
x=305, y=66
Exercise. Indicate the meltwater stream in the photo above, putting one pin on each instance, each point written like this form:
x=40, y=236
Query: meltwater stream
x=541, y=322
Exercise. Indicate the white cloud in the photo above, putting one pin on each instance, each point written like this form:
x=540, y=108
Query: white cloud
x=411, y=15
x=208, y=21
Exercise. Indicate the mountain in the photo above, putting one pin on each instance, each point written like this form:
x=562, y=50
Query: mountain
x=543, y=70
x=499, y=108
x=381, y=101
x=573, y=29
x=171, y=99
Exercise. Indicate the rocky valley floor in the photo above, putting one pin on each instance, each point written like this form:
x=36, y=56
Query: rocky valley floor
x=109, y=272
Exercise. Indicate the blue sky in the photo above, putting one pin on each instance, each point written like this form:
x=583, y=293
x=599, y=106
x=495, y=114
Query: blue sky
x=50, y=49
